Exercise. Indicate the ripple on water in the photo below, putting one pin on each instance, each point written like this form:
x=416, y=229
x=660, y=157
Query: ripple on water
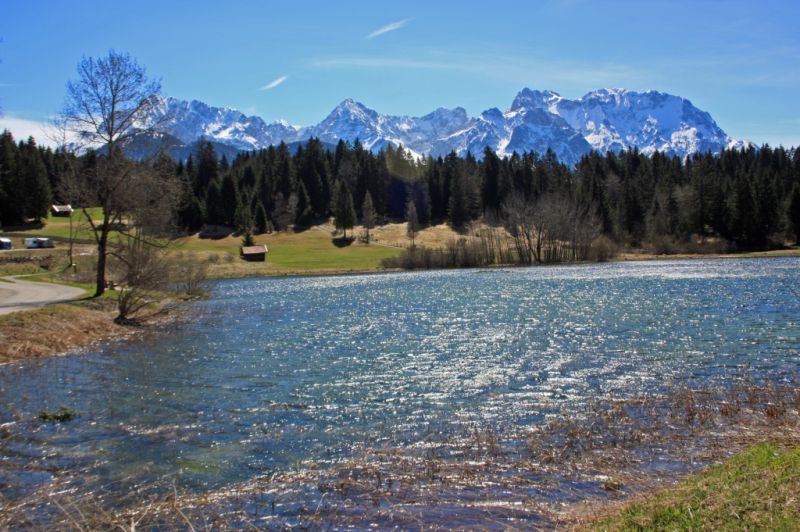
x=277, y=371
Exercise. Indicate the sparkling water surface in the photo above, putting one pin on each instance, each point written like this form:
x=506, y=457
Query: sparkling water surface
x=272, y=373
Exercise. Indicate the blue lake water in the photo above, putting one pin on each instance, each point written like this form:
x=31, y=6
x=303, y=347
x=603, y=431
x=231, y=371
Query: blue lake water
x=272, y=373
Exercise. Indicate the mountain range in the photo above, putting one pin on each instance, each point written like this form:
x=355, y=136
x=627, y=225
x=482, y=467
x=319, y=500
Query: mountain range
x=602, y=120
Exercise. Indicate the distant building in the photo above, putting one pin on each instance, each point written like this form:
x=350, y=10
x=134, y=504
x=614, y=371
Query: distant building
x=254, y=253
x=62, y=210
x=5, y=243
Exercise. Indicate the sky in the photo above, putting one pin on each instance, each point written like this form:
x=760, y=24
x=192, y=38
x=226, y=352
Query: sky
x=738, y=60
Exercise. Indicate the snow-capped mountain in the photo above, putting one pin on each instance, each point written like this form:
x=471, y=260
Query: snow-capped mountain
x=602, y=120
x=188, y=121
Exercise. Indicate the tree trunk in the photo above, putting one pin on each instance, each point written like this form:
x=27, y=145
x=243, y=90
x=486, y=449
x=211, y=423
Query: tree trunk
x=102, y=255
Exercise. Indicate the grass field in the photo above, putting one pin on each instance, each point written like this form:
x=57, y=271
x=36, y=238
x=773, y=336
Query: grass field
x=59, y=227
x=313, y=251
x=308, y=252
x=756, y=490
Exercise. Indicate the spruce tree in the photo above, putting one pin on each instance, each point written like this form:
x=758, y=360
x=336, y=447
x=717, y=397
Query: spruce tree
x=367, y=214
x=794, y=212
x=344, y=213
x=12, y=208
x=302, y=210
x=36, y=185
x=458, y=205
x=412, y=221
x=262, y=222
x=206, y=170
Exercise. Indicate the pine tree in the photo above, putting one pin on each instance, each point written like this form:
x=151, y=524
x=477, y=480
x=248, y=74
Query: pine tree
x=262, y=222
x=36, y=185
x=367, y=214
x=215, y=214
x=302, y=208
x=458, y=206
x=206, y=171
x=412, y=221
x=12, y=200
x=491, y=180
x=229, y=199
x=794, y=212
x=743, y=228
x=243, y=218
x=344, y=213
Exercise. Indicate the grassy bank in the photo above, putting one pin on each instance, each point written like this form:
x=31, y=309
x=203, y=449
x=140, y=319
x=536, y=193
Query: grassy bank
x=56, y=329
x=756, y=490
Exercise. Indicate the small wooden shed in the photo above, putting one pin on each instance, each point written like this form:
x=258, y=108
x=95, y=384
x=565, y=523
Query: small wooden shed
x=62, y=210
x=254, y=253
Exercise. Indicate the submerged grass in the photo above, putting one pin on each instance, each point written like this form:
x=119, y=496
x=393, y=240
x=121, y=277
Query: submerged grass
x=564, y=473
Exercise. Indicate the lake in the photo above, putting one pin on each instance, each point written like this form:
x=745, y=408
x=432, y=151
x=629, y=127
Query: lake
x=272, y=374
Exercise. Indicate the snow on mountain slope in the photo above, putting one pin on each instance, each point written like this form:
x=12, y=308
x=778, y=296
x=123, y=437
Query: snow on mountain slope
x=603, y=120
x=617, y=119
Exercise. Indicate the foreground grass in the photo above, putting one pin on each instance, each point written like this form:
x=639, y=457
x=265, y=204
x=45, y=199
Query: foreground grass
x=756, y=490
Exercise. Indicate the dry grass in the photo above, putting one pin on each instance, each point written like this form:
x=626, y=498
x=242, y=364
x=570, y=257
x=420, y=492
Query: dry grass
x=55, y=329
x=59, y=329
x=642, y=255
x=436, y=236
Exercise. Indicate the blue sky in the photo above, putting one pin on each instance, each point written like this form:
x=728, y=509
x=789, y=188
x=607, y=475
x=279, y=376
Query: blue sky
x=738, y=60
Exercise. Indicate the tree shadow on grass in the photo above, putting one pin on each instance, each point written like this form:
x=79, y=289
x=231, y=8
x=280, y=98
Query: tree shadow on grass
x=342, y=242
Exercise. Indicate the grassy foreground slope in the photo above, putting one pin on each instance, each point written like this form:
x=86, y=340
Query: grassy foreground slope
x=756, y=490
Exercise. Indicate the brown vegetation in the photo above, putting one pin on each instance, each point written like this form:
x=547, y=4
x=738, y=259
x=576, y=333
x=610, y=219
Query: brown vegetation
x=55, y=330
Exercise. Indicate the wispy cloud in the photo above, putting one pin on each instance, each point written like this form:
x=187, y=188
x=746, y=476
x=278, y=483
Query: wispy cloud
x=274, y=83
x=545, y=72
x=389, y=27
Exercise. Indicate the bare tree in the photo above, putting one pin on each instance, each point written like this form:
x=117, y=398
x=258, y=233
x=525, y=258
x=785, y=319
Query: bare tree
x=111, y=100
x=143, y=276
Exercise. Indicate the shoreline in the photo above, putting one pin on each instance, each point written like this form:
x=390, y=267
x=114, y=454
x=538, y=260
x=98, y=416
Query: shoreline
x=70, y=328
x=623, y=257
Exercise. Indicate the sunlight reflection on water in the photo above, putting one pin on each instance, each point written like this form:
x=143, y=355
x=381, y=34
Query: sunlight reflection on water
x=274, y=371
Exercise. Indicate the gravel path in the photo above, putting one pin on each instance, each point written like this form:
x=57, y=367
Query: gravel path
x=18, y=294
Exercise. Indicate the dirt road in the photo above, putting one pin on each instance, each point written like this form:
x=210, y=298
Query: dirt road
x=19, y=294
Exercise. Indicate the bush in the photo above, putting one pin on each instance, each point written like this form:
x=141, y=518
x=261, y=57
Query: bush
x=603, y=249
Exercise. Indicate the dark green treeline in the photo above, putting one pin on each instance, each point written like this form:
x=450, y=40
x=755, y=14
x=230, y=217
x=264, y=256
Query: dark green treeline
x=750, y=198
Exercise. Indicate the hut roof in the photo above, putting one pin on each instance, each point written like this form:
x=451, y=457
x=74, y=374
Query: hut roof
x=254, y=250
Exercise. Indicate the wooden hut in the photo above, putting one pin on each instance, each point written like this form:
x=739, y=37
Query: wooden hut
x=254, y=253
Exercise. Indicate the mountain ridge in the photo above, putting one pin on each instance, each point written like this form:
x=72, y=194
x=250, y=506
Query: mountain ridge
x=602, y=120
